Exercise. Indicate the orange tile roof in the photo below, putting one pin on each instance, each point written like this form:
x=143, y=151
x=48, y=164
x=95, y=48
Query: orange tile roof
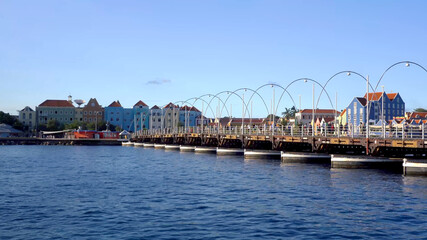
x=185, y=108
x=377, y=95
x=115, y=104
x=374, y=96
x=140, y=103
x=56, y=103
x=391, y=96
x=155, y=107
x=418, y=115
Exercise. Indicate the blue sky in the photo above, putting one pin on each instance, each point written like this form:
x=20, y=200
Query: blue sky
x=167, y=51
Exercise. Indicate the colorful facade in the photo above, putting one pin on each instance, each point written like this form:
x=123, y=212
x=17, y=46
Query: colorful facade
x=391, y=103
x=62, y=111
x=27, y=117
x=93, y=112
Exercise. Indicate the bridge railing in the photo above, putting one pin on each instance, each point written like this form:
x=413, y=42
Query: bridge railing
x=389, y=132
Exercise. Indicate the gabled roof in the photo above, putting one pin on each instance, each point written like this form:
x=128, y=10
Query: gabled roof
x=185, y=108
x=391, y=96
x=115, y=104
x=27, y=109
x=170, y=105
x=375, y=96
x=140, y=103
x=194, y=109
x=331, y=111
x=155, y=107
x=56, y=103
x=343, y=112
x=362, y=100
x=92, y=100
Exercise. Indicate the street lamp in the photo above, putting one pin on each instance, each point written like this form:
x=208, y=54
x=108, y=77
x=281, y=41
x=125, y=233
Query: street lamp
x=382, y=111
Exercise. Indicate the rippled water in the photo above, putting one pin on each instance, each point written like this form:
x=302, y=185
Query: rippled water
x=77, y=192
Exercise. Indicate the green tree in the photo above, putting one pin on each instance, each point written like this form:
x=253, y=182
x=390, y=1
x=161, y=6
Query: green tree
x=118, y=129
x=102, y=125
x=75, y=125
x=53, y=125
x=7, y=118
x=420, y=110
x=288, y=114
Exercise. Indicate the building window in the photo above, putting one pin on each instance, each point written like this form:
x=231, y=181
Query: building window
x=23, y=115
x=85, y=119
x=90, y=112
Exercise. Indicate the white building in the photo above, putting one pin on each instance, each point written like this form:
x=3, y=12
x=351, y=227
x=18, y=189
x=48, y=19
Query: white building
x=27, y=117
x=155, y=118
x=305, y=116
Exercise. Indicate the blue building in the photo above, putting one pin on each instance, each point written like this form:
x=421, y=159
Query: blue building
x=189, y=115
x=141, y=115
x=114, y=114
x=128, y=119
x=392, y=104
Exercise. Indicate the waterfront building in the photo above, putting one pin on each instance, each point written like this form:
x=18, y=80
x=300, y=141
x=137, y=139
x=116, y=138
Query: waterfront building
x=141, y=116
x=342, y=118
x=63, y=111
x=171, y=116
x=8, y=131
x=189, y=115
x=305, y=116
x=205, y=121
x=93, y=112
x=416, y=118
x=27, y=117
x=392, y=104
x=78, y=114
x=114, y=114
x=155, y=119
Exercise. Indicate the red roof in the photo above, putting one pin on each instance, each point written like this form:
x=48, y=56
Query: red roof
x=391, y=96
x=374, y=96
x=377, y=95
x=170, y=105
x=418, y=115
x=185, y=108
x=155, y=107
x=115, y=104
x=331, y=111
x=194, y=109
x=140, y=103
x=247, y=120
x=56, y=103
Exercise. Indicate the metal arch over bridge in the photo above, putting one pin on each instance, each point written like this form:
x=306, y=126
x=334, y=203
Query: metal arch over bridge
x=397, y=141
